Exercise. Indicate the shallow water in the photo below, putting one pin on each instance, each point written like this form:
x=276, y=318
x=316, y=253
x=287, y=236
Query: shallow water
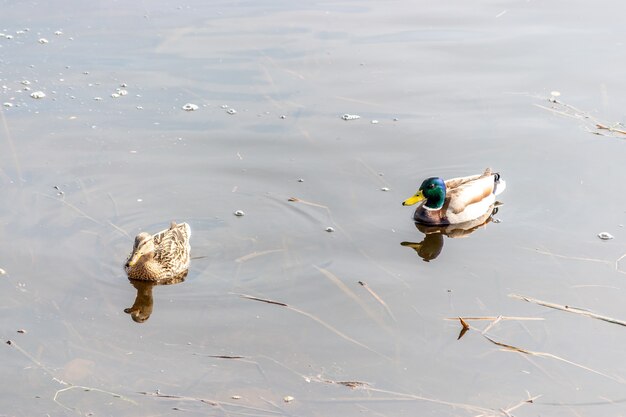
x=463, y=82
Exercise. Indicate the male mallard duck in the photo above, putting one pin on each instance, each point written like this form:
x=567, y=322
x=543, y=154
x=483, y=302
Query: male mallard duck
x=457, y=200
x=162, y=256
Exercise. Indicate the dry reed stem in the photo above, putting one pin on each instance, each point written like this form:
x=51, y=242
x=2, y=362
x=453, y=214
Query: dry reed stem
x=569, y=309
x=68, y=385
x=491, y=325
x=73, y=207
x=214, y=403
x=377, y=298
x=512, y=348
x=317, y=320
x=491, y=318
x=256, y=254
x=578, y=258
x=349, y=293
x=575, y=113
x=394, y=395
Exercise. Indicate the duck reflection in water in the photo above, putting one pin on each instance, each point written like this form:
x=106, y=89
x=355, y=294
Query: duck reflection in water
x=432, y=244
x=144, y=302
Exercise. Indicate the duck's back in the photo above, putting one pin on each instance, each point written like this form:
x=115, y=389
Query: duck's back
x=171, y=248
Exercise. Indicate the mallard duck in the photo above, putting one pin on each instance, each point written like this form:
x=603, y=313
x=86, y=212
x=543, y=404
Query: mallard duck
x=457, y=200
x=162, y=256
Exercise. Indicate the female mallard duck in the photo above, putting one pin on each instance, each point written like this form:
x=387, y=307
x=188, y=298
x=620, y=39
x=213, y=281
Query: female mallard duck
x=162, y=256
x=457, y=200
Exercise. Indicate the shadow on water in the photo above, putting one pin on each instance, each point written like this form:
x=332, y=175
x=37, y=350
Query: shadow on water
x=431, y=246
x=142, y=308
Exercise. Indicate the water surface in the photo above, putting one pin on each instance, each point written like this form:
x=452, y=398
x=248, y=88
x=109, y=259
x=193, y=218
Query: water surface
x=454, y=88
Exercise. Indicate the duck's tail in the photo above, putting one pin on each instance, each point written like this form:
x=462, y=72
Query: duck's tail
x=500, y=184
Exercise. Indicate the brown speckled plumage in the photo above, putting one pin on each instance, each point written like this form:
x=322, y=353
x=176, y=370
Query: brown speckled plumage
x=162, y=256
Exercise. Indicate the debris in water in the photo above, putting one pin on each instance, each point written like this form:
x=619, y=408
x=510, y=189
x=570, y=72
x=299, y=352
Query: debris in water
x=350, y=116
x=605, y=236
x=384, y=189
x=37, y=94
x=2, y=271
x=97, y=98
x=236, y=397
x=395, y=119
x=288, y=399
x=22, y=331
x=115, y=95
x=43, y=41
x=330, y=229
x=374, y=122
x=231, y=111
x=496, y=221
x=300, y=179
x=553, y=96
x=8, y=37
x=25, y=82
x=224, y=106
x=190, y=107
x=7, y=104
x=58, y=33
x=121, y=92
x=283, y=117
x=239, y=213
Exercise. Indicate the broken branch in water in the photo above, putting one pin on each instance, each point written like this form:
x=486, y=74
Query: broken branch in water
x=610, y=129
x=569, y=309
x=596, y=126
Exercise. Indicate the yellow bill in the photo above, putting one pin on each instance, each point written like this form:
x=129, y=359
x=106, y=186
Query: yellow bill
x=415, y=199
x=134, y=258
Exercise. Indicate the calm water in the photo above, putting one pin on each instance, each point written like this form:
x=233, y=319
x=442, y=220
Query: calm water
x=463, y=82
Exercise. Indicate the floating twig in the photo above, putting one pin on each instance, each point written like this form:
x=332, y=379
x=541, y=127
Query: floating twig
x=316, y=319
x=567, y=110
x=68, y=385
x=257, y=254
x=492, y=318
x=308, y=203
x=512, y=348
x=343, y=287
x=214, y=403
x=569, y=309
x=377, y=298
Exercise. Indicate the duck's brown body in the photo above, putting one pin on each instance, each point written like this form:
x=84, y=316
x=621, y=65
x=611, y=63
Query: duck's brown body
x=162, y=256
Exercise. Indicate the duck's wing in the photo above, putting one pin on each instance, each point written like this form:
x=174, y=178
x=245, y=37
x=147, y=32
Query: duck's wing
x=172, y=246
x=477, y=190
x=453, y=183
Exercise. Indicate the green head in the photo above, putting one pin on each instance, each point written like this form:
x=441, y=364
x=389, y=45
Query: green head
x=433, y=190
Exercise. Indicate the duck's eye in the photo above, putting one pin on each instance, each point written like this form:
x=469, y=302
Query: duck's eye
x=431, y=186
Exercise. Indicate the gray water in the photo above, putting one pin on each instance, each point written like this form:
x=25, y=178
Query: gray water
x=455, y=88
